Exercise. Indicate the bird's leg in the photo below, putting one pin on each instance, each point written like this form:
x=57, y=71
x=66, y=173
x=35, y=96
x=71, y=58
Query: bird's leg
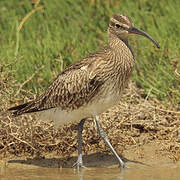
x=79, y=162
x=104, y=137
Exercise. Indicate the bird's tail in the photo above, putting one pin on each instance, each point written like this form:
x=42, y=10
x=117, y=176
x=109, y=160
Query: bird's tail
x=21, y=109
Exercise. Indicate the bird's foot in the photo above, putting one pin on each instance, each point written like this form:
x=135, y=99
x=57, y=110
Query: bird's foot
x=123, y=166
x=79, y=165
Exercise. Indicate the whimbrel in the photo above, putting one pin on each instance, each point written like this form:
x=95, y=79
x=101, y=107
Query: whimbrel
x=90, y=86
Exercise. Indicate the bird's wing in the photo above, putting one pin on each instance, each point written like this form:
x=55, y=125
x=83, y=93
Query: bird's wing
x=73, y=88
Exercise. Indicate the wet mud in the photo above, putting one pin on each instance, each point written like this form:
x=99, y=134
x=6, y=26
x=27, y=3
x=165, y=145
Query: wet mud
x=143, y=162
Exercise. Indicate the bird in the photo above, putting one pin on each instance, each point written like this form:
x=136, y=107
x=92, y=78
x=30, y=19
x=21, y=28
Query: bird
x=90, y=86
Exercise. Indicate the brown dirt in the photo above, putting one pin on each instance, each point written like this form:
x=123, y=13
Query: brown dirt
x=136, y=123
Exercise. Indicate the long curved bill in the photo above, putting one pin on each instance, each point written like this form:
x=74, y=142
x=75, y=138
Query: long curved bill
x=134, y=30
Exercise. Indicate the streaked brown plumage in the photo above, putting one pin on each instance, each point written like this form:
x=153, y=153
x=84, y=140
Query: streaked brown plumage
x=92, y=85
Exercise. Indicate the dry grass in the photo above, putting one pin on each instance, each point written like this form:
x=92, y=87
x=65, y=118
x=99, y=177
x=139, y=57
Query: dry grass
x=134, y=122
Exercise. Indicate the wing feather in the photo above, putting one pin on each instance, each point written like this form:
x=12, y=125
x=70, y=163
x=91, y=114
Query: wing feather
x=73, y=88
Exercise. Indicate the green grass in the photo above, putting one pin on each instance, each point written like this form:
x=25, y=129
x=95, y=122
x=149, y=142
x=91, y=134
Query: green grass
x=68, y=30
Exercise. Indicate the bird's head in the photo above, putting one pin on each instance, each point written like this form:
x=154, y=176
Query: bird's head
x=122, y=26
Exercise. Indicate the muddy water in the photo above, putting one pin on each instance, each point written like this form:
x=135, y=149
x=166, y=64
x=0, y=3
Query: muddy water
x=168, y=172
x=145, y=163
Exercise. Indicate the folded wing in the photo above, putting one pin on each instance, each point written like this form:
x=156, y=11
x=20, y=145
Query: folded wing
x=73, y=88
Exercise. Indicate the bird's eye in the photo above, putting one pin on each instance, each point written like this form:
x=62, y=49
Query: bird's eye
x=118, y=26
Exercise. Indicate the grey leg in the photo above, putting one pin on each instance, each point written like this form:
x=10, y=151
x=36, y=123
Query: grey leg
x=103, y=135
x=79, y=162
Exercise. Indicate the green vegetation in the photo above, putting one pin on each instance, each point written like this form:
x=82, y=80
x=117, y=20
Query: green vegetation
x=62, y=32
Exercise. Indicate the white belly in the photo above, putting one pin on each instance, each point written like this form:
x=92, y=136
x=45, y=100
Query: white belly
x=61, y=117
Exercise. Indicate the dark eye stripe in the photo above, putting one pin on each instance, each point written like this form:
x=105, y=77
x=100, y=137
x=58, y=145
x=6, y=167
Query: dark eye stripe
x=118, y=26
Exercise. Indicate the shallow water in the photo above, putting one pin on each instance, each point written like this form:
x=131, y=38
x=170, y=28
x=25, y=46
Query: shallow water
x=168, y=172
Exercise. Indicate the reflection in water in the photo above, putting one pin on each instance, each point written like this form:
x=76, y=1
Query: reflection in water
x=136, y=173
x=61, y=174
x=100, y=173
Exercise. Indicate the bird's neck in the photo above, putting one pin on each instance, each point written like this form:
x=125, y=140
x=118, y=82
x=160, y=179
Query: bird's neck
x=118, y=43
x=123, y=60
